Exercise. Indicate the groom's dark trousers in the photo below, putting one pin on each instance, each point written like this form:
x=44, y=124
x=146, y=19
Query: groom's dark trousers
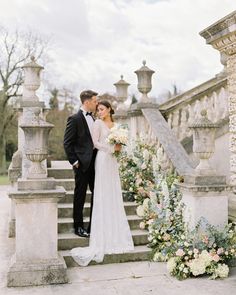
x=78, y=146
x=83, y=179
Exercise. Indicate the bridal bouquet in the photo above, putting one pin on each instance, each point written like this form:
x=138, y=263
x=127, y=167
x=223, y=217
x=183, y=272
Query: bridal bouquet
x=118, y=135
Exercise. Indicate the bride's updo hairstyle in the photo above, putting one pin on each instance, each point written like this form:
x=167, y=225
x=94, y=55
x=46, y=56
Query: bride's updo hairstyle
x=106, y=104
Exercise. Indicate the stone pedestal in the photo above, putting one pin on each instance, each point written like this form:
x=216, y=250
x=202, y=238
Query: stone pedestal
x=121, y=116
x=36, y=260
x=14, y=172
x=205, y=197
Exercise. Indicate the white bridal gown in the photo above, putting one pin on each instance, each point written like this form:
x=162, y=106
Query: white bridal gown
x=110, y=232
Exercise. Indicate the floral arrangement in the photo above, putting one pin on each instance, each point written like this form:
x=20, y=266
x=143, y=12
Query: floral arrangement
x=205, y=250
x=137, y=166
x=118, y=135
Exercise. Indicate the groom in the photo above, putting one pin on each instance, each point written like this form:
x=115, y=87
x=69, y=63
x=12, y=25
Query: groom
x=81, y=154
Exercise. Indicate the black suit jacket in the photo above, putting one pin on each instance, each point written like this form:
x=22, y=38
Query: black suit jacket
x=78, y=142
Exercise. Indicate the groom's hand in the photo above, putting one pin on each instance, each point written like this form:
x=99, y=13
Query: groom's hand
x=76, y=165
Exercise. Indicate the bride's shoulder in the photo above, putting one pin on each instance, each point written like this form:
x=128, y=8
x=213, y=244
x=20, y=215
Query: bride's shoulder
x=98, y=122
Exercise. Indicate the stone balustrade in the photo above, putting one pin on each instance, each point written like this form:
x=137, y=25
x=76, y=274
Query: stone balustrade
x=183, y=109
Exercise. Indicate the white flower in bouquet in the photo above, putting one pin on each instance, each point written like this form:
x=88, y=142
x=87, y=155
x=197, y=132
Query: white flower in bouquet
x=146, y=155
x=165, y=189
x=221, y=271
x=142, y=225
x=158, y=257
x=205, y=257
x=118, y=135
x=153, y=197
x=140, y=211
x=197, y=267
x=146, y=204
x=143, y=166
x=171, y=264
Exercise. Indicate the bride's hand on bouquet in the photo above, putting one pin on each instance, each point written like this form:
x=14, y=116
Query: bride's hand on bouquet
x=117, y=147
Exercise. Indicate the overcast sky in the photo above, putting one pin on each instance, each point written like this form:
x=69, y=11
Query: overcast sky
x=95, y=41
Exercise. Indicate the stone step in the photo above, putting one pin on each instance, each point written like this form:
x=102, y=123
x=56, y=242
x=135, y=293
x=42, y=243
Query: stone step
x=67, y=241
x=66, y=209
x=140, y=253
x=65, y=225
x=68, y=184
x=69, y=196
x=61, y=173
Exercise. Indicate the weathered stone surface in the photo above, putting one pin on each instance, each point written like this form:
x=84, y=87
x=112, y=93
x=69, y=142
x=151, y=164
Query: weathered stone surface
x=208, y=202
x=36, y=259
x=206, y=180
x=168, y=140
x=232, y=207
x=34, y=273
x=32, y=184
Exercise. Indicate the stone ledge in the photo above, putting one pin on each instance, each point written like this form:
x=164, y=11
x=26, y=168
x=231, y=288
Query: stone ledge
x=136, y=109
x=205, y=188
x=35, y=273
x=36, y=184
x=205, y=180
x=29, y=195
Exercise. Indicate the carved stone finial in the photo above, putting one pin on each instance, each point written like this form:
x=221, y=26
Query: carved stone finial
x=121, y=77
x=144, y=62
x=204, y=112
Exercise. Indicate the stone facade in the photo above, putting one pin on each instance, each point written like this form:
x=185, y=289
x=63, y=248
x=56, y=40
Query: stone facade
x=222, y=36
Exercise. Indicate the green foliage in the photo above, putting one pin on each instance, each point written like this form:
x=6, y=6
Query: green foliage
x=4, y=180
x=134, y=99
x=54, y=102
x=59, y=119
x=137, y=170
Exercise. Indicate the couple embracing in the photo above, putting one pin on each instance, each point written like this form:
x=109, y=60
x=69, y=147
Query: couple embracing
x=94, y=166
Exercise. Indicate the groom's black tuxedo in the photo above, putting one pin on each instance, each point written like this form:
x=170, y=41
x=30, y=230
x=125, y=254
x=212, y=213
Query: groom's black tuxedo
x=78, y=146
x=78, y=142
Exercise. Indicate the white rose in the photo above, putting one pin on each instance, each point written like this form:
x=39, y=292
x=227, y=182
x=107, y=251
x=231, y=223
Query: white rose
x=171, y=264
x=140, y=211
x=222, y=271
x=197, y=267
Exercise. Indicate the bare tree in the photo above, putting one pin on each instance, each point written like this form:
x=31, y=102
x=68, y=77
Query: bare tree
x=15, y=50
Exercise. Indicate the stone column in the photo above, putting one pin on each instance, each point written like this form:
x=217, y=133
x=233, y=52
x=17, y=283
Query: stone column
x=222, y=36
x=205, y=194
x=36, y=260
x=20, y=164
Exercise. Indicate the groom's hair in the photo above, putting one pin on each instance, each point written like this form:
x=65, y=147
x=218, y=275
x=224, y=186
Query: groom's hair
x=87, y=94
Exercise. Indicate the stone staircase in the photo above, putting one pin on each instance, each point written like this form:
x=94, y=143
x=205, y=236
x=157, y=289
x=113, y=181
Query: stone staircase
x=68, y=240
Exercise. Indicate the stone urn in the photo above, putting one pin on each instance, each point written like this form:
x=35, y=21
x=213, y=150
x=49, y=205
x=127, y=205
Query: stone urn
x=31, y=79
x=204, y=143
x=36, y=144
x=144, y=75
x=121, y=92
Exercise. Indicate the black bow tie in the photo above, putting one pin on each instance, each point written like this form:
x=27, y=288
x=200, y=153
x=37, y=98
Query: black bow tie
x=89, y=114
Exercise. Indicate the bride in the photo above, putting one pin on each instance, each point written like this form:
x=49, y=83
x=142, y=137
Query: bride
x=110, y=232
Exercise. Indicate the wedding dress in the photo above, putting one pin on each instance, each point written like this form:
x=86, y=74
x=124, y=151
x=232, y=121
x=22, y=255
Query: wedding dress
x=110, y=232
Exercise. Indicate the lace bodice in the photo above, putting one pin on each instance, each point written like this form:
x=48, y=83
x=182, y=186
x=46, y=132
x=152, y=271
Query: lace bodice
x=99, y=135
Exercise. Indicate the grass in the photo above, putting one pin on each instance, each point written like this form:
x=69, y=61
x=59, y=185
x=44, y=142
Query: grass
x=4, y=180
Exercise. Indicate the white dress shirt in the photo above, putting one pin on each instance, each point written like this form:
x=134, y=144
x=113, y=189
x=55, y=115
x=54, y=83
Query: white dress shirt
x=89, y=120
